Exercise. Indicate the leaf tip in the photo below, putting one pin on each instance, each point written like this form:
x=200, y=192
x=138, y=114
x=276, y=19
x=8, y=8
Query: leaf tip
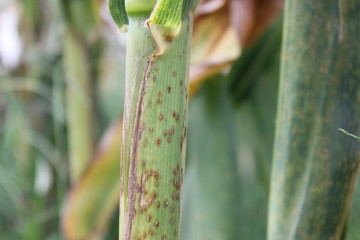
x=349, y=134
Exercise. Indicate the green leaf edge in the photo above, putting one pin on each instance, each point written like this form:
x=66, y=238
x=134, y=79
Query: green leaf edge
x=118, y=14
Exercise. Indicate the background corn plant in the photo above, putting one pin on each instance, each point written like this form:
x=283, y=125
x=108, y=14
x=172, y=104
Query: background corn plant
x=50, y=47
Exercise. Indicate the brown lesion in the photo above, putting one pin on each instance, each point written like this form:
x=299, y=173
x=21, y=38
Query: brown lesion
x=175, y=196
x=176, y=183
x=138, y=129
x=175, y=116
x=157, y=141
x=148, y=198
x=157, y=223
x=169, y=38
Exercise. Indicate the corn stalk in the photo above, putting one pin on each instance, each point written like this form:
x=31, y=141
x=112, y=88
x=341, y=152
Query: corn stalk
x=155, y=116
x=315, y=166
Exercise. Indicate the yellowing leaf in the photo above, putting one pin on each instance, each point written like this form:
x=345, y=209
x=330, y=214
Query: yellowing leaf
x=92, y=201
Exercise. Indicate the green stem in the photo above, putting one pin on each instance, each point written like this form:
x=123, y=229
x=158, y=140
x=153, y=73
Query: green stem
x=155, y=118
x=79, y=104
x=315, y=168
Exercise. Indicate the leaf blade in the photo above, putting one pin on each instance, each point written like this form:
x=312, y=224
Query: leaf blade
x=118, y=13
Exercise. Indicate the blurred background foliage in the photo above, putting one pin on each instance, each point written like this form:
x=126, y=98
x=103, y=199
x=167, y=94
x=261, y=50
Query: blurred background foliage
x=62, y=69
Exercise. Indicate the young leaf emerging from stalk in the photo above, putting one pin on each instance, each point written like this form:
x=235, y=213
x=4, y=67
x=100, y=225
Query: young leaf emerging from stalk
x=155, y=117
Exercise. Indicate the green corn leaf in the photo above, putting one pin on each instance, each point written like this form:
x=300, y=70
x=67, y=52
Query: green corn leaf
x=314, y=167
x=118, y=13
x=253, y=62
x=238, y=145
x=353, y=224
x=212, y=208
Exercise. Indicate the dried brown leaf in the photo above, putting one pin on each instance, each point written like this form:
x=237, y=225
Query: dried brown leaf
x=251, y=17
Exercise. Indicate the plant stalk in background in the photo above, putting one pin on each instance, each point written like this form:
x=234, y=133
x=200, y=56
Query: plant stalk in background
x=316, y=166
x=81, y=19
x=155, y=116
x=79, y=107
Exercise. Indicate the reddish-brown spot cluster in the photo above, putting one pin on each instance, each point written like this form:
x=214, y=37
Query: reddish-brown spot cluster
x=175, y=115
x=181, y=142
x=146, y=199
x=148, y=218
x=174, y=171
x=149, y=103
x=168, y=89
x=157, y=223
x=175, y=196
x=161, y=117
x=163, y=237
x=156, y=175
x=176, y=183
x=158, y=141
x=159, y=98
x=171, y=220
x=145, y=142
x=171, y=131
x=153, y=195
x=169, y=38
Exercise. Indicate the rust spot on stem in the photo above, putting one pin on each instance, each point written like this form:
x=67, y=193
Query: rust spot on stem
x=132, y=187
